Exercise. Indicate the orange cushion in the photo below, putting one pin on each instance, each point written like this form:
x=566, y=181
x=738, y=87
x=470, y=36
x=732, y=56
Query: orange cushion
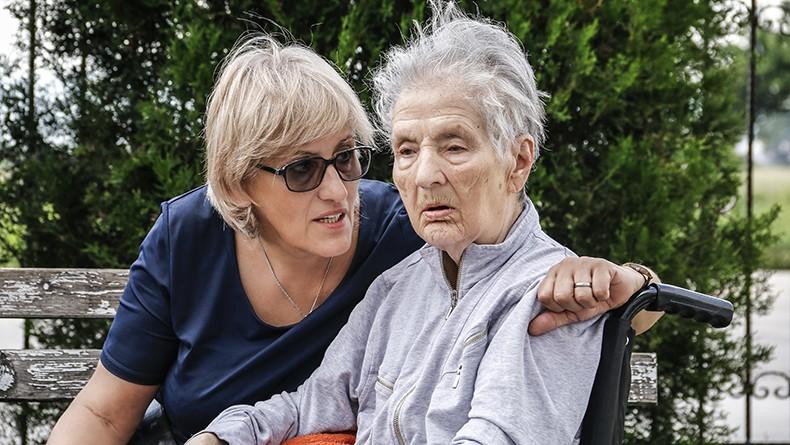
x=323, y=439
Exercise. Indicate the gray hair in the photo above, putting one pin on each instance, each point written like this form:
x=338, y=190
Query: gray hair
x=269, y=98
x=472, y=54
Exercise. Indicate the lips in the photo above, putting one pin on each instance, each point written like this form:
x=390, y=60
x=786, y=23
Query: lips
x=437, y=211
x=331, y=217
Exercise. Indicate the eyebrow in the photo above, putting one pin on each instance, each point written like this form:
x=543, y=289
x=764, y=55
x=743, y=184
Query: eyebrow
x=457, y=132
x=343, y=144
x=451, y=134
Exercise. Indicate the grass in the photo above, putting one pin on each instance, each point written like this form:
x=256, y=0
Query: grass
x=771, y=187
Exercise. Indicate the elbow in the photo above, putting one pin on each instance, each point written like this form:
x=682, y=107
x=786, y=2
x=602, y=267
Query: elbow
x=81, y=421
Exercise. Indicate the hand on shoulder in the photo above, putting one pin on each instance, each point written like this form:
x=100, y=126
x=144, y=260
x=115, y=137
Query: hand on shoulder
x=578, y=289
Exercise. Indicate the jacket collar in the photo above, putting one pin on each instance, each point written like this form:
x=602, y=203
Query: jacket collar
x=479, y=261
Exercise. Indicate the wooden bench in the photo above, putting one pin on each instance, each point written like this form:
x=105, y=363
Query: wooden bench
x=49, y=374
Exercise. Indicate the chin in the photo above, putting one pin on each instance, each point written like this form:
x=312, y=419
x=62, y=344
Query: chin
x=441, y=237
x=332, y=249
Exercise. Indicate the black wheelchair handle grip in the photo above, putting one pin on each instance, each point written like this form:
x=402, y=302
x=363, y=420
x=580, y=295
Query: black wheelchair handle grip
x=694, y=305
x=683, y=302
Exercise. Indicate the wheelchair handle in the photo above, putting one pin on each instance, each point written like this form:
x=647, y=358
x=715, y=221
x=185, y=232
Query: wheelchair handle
x=677, y=300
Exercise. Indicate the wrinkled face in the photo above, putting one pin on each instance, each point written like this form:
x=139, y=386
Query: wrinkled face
x=449, y=176
x=318, y=222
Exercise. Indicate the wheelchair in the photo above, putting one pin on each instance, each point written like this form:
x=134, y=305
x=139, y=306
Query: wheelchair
x=604, y=418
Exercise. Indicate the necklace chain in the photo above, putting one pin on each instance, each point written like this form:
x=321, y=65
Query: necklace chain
x=285, y=293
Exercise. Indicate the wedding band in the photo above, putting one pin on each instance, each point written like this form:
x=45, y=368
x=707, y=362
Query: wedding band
x=582, y=284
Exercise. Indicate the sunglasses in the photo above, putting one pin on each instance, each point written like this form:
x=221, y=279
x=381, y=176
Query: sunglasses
x=306, y=174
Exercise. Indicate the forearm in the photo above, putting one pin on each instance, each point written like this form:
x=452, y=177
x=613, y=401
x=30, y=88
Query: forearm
x=80, y=424
x=269, y=422
x=645, y=320
x=480, y=431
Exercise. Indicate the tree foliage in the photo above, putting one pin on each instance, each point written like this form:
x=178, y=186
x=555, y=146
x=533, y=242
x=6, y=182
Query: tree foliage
x=639, y=163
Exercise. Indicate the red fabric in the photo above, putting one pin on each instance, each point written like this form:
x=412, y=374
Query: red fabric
x=323, y=439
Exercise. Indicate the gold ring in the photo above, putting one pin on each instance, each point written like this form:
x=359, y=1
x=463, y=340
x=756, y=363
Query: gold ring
x=582, y=284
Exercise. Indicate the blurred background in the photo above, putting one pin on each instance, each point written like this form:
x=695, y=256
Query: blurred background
x=101, y=108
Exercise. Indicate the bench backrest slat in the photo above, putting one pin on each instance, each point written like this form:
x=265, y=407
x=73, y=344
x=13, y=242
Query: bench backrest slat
x=44, y=374
x=60, y=293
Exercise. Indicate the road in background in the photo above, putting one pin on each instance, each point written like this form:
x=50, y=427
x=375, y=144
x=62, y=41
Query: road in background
x=771, y=415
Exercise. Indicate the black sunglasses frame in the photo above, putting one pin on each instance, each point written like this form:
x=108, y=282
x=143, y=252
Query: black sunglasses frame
x=326, y=163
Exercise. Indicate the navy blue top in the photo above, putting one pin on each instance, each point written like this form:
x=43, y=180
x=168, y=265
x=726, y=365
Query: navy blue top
x=185, y=322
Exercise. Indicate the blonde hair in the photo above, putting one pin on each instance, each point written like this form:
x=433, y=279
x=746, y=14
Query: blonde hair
x=269, y=98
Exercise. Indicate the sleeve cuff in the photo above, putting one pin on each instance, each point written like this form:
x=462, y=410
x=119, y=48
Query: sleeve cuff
x=230, y=432
x=481, y=431
x=124, y=373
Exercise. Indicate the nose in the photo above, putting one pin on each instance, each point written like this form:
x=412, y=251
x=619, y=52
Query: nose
x=332, y=187
x=428, y=172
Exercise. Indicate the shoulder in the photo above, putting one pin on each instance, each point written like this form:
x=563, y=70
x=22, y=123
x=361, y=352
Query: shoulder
x=532, y=261
x=408, y=270
x=405, y=268
x=380, y=199
x=189, y=205
x=190, y=217
x=547, y=250
x=192, y=207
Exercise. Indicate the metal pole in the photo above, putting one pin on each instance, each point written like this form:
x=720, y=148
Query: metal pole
x=749, y=203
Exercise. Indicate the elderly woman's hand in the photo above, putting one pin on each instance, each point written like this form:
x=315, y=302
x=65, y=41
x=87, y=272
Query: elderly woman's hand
x=607, y=286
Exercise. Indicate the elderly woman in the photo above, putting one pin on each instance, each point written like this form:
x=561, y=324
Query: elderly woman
x=241, y=285
x=437, y=351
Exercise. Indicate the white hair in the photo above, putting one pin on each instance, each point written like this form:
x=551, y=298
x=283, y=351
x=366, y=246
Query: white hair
x=474, y=55
x=270, y=98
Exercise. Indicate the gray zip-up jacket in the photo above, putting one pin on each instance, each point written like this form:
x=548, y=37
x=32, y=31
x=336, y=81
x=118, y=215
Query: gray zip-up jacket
x=422, y=363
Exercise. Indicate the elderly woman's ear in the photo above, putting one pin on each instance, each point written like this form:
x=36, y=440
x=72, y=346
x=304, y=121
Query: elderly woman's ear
x=524, y=155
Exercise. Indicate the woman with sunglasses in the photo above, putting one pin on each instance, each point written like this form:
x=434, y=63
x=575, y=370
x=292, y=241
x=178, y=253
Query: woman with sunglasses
x=242, y=284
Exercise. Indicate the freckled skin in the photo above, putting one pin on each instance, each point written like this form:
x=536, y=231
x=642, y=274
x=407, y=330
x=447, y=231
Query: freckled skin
x=443, y=156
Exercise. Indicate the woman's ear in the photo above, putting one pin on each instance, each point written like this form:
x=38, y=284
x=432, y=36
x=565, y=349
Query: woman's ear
x=241, y=196
x=524, y=153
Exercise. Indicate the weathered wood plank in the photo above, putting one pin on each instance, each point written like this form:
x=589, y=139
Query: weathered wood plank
x=45, y=374
x=644, y=379
x=60, y=293
x=59, y=375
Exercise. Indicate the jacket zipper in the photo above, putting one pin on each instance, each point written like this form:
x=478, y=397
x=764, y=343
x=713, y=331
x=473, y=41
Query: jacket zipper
x=453, y=302
x=454, y=294
x=457, y=377
x=396, y=419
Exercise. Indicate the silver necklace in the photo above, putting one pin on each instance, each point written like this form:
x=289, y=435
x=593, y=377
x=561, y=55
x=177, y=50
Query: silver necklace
x=285, y=293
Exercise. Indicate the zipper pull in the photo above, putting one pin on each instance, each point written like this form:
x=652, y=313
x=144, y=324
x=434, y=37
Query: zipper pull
x=457, y=377
x=453, y=302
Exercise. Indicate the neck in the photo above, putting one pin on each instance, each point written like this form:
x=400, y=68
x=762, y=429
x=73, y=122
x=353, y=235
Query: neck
x=295, y=268
x=287, y=259
x=451, y=258
x=450, y=267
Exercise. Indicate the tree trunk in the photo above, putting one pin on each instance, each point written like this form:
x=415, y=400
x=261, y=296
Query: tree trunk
x=32, y=126
x=32, y=146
